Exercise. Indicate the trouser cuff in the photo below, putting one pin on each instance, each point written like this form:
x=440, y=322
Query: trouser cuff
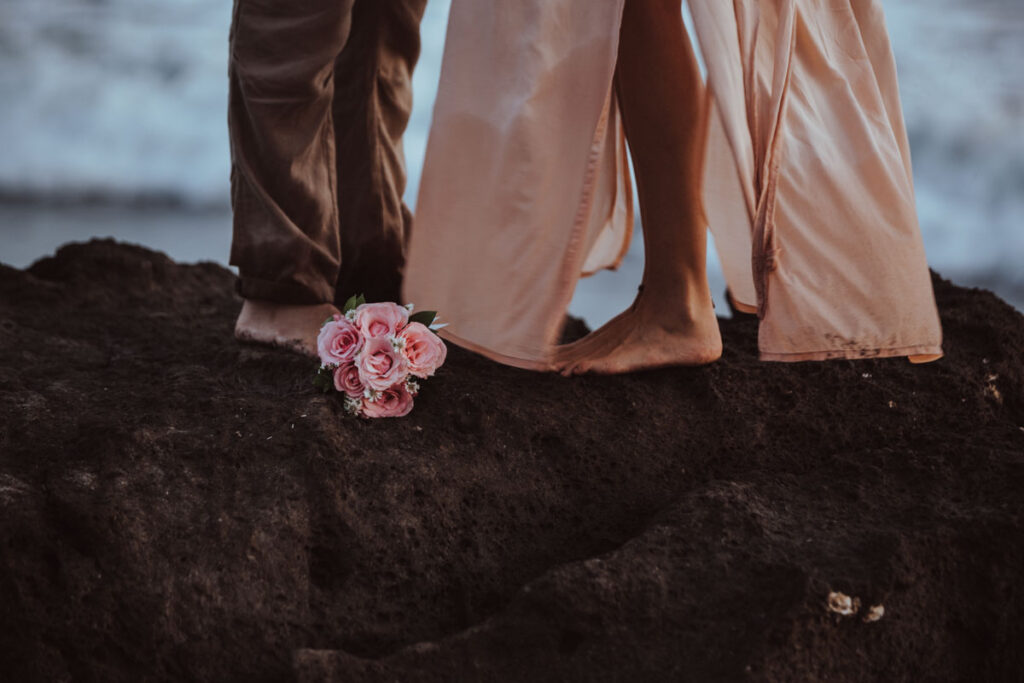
x=289, y=293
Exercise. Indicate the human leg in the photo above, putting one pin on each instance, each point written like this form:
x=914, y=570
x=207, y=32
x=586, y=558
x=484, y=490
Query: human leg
x=320, y=97
x=661, y=96
x=370, y=110
x=285, y=236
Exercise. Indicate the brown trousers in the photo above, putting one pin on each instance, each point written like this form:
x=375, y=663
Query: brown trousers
x=320, y=94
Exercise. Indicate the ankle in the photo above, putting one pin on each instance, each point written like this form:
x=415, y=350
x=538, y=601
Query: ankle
x=692, y=301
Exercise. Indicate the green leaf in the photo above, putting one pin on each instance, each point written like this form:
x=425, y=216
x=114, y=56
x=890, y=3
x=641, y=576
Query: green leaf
x=350, y=303
x=424, y=317
x=361, y=300
x=324, y=380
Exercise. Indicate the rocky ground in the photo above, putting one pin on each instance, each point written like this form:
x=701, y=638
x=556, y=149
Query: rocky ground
x=177, y=507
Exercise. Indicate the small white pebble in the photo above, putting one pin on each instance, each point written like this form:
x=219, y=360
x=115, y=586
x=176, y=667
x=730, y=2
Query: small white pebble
x=866, y=375
x=874, y=613
x=843, y=604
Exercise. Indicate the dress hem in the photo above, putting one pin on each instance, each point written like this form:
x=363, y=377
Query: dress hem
x=496, y=356
x=767, y=356
x=853, y=354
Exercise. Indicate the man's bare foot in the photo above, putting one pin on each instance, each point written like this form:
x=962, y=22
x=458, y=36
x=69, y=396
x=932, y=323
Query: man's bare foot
x=288, y=327
x=643, y=336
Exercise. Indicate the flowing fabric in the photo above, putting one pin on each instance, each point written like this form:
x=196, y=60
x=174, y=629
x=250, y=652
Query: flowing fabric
x=808, y=188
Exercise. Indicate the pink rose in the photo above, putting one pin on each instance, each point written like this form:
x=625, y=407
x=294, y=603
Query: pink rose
x=380, y=365
x=380, y=320
x=346, y=379
x=339, y=341
x=394, y=401
x=423, y=349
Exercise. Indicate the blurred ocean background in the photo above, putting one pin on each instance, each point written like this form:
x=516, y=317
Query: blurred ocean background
x=113, y=123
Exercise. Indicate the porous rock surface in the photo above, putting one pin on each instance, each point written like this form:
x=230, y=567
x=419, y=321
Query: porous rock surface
x=175, y=506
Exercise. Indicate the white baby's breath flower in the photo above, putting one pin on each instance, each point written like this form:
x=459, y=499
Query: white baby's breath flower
x=397, y=343
x=412, y=386
x=408, y=307
x=371, y=395
x=353, y=406
x=351, y=314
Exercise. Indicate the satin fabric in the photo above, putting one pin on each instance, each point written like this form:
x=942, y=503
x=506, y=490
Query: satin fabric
x=808, y=188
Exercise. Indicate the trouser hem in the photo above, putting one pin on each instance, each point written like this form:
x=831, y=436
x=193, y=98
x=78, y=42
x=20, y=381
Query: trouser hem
x=288, y=293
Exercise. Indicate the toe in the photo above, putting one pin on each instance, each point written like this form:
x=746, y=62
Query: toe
x=581, y=368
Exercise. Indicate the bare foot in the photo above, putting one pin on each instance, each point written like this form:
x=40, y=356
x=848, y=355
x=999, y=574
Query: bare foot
x=643, y=336
x=289, y=327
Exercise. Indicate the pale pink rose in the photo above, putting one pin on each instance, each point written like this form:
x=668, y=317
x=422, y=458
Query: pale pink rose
x=380, y=364
x=339, y=341
x=423, y=349
x=394, y=401
x=346, y=379
x=380, y=320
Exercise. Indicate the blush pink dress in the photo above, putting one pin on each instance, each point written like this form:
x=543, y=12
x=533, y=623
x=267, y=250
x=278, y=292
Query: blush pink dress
x=808, y=187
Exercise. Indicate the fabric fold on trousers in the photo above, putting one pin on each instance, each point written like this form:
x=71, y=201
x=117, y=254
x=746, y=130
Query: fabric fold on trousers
x=320, y=94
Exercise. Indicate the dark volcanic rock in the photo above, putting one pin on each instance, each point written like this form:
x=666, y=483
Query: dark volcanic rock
x=177, y=507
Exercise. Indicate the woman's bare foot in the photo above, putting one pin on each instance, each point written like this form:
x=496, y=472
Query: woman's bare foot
x=644, y=336
x=289, y=327
x=672, y=321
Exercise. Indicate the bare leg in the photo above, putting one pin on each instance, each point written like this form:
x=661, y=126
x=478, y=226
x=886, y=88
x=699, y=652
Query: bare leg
x=660, y=92
x=288, y=327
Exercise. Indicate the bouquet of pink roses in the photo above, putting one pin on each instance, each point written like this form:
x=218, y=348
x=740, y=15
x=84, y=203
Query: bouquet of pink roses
x=372, y=353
